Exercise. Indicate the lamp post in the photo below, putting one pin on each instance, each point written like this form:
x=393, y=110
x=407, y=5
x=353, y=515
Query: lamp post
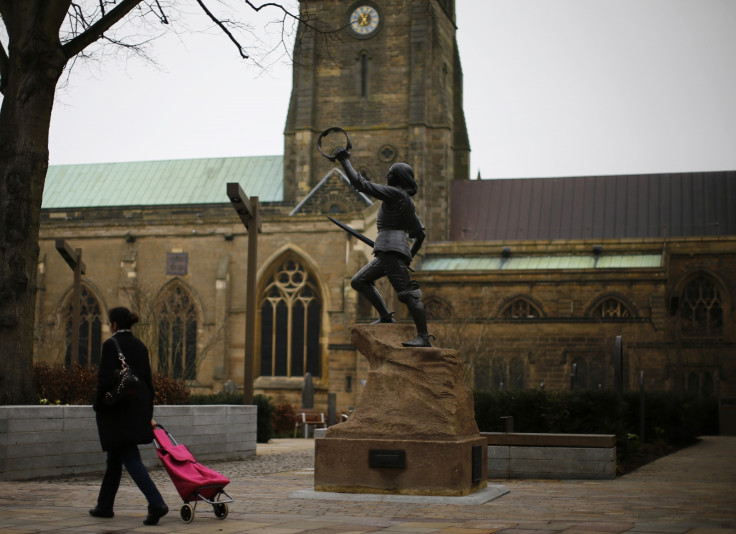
x=247, y=210
x=73, y=258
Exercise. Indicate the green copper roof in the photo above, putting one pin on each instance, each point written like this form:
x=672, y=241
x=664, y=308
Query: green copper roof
x=480, y=263
x=173, y=182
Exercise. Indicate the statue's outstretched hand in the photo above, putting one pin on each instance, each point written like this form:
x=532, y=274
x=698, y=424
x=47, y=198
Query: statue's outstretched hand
x=341, y=154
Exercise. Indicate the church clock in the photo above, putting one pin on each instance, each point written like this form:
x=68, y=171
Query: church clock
x=364, y=20
x=392, y=79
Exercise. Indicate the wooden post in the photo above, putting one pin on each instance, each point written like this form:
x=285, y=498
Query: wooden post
x=247, y=210
x=73, y=258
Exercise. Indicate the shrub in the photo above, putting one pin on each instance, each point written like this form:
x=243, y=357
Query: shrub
x=266, y=410
x=58, y=384
x=672, y=418
x=170, y=390
x=283, y=419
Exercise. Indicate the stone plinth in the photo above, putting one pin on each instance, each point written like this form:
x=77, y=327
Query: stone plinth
x=416, y=406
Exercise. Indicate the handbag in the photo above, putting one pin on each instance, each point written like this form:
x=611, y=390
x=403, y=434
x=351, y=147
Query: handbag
x=126, y=383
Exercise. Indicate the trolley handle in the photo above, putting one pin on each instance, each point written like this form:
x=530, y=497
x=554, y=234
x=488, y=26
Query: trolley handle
x=171, y=438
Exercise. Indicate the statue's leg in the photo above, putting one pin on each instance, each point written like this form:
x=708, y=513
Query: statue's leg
x=408, y=292
x=418, y=313
x=363, y=283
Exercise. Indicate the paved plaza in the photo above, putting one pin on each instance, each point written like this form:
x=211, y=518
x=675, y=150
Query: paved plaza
x=693, y=490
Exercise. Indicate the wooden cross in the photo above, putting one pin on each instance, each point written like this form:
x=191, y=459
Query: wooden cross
x=73, y=258
x=247, y=210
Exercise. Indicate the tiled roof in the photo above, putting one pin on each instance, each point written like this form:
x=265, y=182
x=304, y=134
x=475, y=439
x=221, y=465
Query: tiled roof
x=595, y=207
x=173, y=182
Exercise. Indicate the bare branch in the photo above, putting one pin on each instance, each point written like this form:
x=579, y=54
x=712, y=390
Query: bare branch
x=94, y=32
x=164, y=20
x=224, y=29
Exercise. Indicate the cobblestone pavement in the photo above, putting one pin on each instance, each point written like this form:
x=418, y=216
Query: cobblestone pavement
x=693, y=490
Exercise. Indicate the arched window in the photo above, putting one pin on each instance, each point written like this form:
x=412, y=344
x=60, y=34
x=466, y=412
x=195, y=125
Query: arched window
x=590, y=371
x=291, y=321
x=176, y=315
x=701, y=308
x=507, y=373
x=611, y=308
x=364, y=60
x=579, y=374
x=699, y=382
x=90, y=330
x=520, y=309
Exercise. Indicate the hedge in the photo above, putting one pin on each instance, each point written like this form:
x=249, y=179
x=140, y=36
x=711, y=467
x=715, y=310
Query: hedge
x=672, y=418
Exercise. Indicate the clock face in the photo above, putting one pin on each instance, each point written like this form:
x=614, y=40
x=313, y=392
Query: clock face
x=364, y=20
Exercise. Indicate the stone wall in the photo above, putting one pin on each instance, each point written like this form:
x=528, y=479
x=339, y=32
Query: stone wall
x=47, y=441
x=551, y=456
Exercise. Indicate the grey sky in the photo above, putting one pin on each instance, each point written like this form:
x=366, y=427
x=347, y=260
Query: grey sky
x=569, y=87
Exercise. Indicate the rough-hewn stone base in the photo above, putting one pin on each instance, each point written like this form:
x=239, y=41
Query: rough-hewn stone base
x=431, y=468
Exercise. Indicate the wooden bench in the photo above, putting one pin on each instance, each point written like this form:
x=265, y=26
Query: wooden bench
x=307, y=417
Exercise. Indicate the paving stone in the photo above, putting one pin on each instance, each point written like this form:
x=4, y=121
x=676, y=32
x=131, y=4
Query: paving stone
x=693, y=490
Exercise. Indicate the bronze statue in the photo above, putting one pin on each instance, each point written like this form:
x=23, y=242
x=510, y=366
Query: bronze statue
x=397, y=222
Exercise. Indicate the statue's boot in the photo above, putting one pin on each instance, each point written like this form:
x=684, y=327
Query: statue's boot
x=374, y=297
x=416, y=309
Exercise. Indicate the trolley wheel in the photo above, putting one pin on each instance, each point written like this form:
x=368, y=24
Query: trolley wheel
x=221, y=510
x=187, y=513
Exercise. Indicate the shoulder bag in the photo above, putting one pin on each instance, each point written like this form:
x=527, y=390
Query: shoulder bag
x=126, y=383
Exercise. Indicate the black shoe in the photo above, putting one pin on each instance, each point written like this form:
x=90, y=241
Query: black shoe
x=385, y=319
x=422, y=340
x=99, y=512
x=155, y=513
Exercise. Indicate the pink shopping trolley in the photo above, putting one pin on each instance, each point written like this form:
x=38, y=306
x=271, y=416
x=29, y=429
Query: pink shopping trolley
x=192, y=480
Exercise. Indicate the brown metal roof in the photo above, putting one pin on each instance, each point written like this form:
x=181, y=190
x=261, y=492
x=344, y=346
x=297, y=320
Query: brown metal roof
x=595, y=207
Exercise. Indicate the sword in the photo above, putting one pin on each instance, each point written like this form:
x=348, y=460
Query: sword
x=353, y=232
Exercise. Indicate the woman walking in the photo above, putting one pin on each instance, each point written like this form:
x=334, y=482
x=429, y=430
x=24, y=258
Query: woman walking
x=125, y=425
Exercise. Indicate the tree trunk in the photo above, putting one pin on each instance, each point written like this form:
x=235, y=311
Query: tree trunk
x=35, y=63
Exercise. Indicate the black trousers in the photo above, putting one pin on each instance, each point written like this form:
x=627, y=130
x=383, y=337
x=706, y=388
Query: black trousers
x=130, y=457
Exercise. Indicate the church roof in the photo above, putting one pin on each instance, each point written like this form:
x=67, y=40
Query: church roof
x=172, y=182
x=595, y=207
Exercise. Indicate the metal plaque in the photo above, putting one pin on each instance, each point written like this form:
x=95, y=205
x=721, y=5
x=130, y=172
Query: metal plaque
x=392, y=459
x=177, y=263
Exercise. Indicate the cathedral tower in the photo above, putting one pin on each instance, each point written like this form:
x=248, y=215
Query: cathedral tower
x=388, y=72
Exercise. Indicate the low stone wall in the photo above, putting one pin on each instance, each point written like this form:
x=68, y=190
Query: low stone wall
x=44, y=441
x=551, y=456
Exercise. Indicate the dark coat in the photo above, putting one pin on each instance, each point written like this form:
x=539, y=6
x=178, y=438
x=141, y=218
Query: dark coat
x=129, y=422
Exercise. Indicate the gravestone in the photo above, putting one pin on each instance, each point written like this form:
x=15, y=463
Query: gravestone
x=308, y=392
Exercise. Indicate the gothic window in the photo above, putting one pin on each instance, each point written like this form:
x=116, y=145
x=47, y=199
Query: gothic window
x=177, y=333
x=612, y=308
x=364, y=64
x=291, y=320
x=701, y=308
x=507, y=373
x=590, y=371
x=579, y=374
x=698, y=382
x=520, y=309
x=90, y=330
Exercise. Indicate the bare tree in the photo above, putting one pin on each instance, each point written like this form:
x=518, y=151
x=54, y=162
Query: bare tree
x=468, y=336
x=42, y=39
